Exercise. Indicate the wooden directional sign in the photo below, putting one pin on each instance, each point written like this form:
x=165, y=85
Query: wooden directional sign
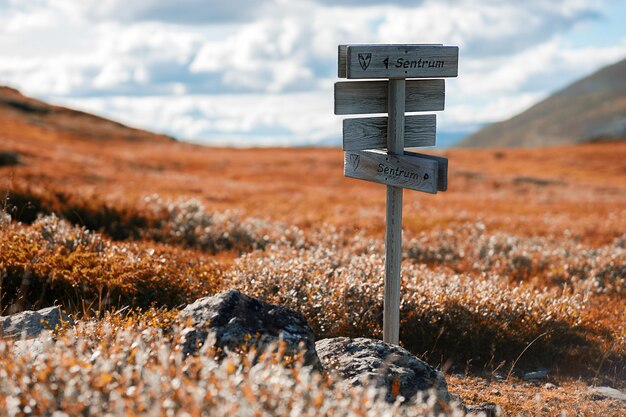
x=398, y=61
x=371, y=132
x=374, y=146
x=405, y=171
x=362, y=97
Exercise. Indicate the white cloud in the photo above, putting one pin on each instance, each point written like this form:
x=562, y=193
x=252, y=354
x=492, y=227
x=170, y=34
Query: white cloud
x=261, y=69
x=230, y=119
x=264, y=56
x=192, y=12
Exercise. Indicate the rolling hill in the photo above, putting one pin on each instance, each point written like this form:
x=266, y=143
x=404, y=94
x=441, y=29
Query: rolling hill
x=590, y=109
x=24, y=116
x=64, y=161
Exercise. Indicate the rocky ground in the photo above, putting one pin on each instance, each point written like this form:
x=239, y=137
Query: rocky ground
x=397, y=382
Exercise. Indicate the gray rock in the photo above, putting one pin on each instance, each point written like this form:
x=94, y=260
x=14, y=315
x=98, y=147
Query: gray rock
x=33, y=347
x=363, y=361
x=601, y=393
x=237, y=321
x=30, y=324
x=538, y=375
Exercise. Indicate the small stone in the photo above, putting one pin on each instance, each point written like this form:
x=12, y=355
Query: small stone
x=600, y=393
x=485, y=409
x=495, y=392
x=549, y=385
x=536, y=376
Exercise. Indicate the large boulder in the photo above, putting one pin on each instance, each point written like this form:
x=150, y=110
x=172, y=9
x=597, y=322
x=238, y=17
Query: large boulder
x=237, y=321
x=366, y=361
x=31, y=324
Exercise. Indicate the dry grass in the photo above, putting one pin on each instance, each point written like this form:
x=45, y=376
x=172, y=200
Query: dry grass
x=53, y=262
x=477, y=300
x=135, y=366
x=515, y=397
x=486, y=318
x=528, y=245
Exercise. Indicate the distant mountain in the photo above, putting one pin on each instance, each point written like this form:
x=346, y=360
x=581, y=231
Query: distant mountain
x=22, y=115
x=590, y=109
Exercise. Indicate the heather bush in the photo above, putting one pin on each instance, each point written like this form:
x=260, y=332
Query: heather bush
x=52, y=261
x=183, y=222
x=477, y=316
x=131, y=366
x=558, y=261
x=27, y=203
x=187, y=222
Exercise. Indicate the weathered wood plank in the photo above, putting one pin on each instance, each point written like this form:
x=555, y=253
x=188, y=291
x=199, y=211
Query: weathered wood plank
x=442, y=168
x=342, y=57
x=401, y=61
x=371, y=132
x=406, y=171
x=342, y=52
x=362, y=97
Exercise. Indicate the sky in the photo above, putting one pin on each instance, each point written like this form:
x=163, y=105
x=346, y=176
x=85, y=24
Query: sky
x=261, y=72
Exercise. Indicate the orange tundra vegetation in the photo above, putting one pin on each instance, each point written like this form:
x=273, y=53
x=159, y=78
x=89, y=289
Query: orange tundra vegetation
x=522, y=263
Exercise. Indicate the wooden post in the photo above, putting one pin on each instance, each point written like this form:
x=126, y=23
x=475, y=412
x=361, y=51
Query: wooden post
x=393, y=236
x=363, y=138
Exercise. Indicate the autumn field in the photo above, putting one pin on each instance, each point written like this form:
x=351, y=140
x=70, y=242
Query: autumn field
x=521, y=265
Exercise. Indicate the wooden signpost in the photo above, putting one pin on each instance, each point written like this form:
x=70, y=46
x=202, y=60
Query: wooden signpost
x=374, y=146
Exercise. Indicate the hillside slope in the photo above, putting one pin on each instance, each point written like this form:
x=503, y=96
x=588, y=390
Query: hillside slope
x=70, y=162
x=590, y=109
x=25, y=116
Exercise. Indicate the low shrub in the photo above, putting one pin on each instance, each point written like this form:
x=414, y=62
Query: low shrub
x=479, y=317
x=130, y=366
x=188, y=223
x=558, y=261
x=52, y=261
x=118, y=221
x=183, y=222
